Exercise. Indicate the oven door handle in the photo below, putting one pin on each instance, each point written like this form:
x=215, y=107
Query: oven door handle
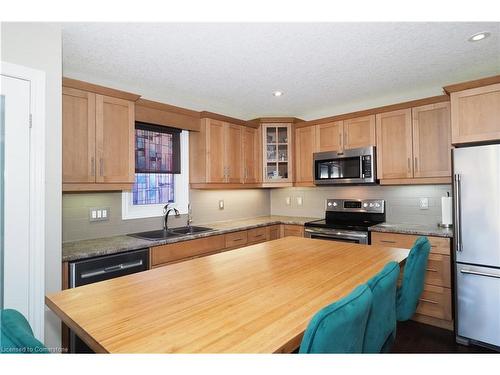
x=338, y=234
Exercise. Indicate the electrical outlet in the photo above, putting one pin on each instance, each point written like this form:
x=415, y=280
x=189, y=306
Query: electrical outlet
x=98, y=214
x=221, y=204
x=299, y=201
x=288, y=201
x=424, y=203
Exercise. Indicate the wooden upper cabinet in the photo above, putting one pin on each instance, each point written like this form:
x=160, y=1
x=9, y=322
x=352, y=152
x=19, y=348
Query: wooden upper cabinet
x=98, y=141
x=216, y=153
x=233, y=138
x=277, y=154
x=394, y=145
x=216, y=150
x=305, y=146
x=251, y=155
x=475, y=114
x=114, y=140
x=432, y=140
x=359, y=132
x=78, y=132
x=329, y=136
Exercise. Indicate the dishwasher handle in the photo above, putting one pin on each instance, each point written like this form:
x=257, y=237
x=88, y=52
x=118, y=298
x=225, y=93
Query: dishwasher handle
x=111, y=269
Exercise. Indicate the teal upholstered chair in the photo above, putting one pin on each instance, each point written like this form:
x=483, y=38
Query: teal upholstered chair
x=16, y=334
x=339, y=327
x=381, y=326
x=413, y=279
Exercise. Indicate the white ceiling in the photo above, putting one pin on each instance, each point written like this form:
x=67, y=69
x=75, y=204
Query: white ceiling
x=323, y=68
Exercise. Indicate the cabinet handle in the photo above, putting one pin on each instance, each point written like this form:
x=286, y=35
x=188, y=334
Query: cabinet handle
x=92, y=167
x=101, y=167
x=409, y=165
x=345, y=139
x=340, y=140
x=387, y=241
x=431, y=270
x=416, y=163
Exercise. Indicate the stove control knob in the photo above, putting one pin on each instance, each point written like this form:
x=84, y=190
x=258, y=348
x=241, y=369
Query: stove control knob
x=365, y=204
x=329, y=204
x=377, y=205
x=334, y=204
x=371, y=205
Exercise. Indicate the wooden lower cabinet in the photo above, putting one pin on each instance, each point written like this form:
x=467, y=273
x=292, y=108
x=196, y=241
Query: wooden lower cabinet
x=236, y=239
x=293, y=230
x=434, y=307
x=257, y=235
x=273, y=232
x=180, y=251
x=169, y=253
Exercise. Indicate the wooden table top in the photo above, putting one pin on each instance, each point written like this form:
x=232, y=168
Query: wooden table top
x=257, y=299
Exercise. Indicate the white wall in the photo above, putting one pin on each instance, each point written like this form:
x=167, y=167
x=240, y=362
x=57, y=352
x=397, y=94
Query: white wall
x=38, y=46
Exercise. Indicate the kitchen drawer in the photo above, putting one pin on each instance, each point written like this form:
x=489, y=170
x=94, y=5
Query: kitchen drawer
x=438, y=270
x=257, y=235
x=293, y=230
x=273, y=232
x=439, y=245
x=236, y=239
x=186, y=249
x=435, y=302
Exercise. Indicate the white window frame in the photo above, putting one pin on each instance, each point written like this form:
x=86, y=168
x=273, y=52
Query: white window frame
x=181, y=191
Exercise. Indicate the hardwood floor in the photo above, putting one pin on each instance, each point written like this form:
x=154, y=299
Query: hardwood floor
x=414, y=337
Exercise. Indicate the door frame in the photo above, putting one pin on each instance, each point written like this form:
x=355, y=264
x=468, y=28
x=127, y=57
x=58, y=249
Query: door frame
x=36, y=191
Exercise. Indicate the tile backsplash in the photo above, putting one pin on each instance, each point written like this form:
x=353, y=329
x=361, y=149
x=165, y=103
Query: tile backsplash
x=402, y=202
x=238, y=204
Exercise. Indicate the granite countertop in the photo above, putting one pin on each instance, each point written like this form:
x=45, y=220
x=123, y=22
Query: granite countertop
x=417, y=229
x=110, y=245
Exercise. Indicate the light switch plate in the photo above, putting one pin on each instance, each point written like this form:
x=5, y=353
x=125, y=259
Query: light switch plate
x=221, y=204
x=424, y=203
x=299, y=201
x=288, y=201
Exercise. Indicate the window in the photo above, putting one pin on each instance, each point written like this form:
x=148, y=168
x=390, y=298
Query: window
x=161, y=172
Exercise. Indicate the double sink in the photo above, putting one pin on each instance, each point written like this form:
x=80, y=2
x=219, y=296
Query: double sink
x=163, y=234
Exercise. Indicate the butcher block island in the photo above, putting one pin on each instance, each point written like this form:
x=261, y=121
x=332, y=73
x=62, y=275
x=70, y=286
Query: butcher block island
x=257, y=299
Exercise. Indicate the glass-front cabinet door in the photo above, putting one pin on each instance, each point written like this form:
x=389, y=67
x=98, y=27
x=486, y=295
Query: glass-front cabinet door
x=277, y=160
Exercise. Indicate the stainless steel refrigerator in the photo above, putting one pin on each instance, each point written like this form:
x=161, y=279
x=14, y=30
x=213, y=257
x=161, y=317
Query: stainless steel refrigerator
x=476, y=178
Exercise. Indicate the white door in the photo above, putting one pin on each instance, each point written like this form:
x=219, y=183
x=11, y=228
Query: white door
x=16, y=93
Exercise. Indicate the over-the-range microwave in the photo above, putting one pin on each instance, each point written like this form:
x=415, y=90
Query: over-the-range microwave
x=354, y=166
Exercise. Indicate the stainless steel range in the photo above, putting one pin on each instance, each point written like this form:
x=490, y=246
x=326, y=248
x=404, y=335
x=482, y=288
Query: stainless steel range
x=347, y=220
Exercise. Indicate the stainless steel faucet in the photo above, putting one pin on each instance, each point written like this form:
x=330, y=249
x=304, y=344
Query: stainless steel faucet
x=166, y=212
x=189, y=218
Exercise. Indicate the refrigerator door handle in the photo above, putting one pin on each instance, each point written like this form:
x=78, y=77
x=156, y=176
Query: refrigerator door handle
x=458, y=231
x=480, y=273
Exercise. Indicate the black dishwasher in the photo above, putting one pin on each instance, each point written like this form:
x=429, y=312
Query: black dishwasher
x=88, y=271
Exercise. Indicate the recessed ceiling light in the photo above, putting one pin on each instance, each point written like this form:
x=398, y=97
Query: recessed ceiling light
x=278, y=93
x=479, y=36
